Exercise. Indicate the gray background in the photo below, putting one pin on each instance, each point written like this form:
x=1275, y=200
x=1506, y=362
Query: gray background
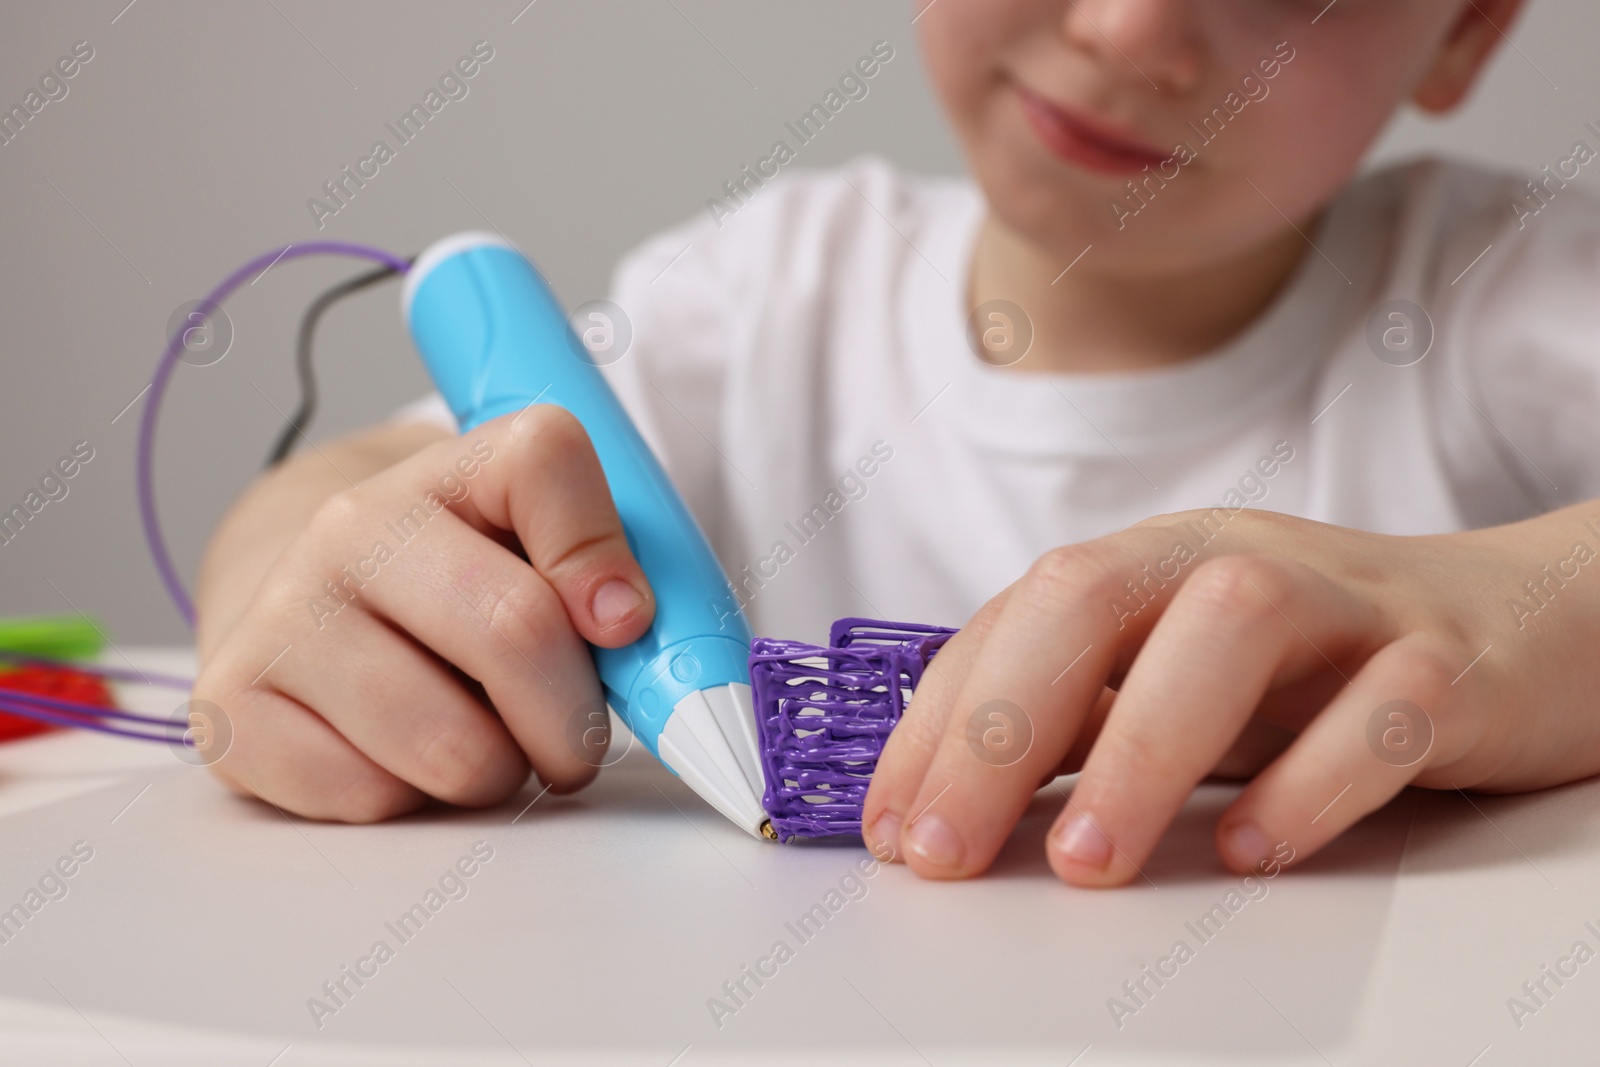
x=193, y=139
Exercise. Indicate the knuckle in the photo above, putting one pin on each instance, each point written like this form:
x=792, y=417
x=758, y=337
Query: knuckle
x=546, y=431
x=455, y=763
x=337, y=515
x=1164, y=520
x=367, y=798
x=1242, y=588
x=213, y=682
x=526, y=614
x=1072, y=572
x=1134, y=758
x=1424, y=670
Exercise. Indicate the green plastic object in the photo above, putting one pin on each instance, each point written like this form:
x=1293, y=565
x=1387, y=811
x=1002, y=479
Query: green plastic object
x=52, y=636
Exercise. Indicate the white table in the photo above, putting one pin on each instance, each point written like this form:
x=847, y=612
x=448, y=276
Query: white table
x=605, y=922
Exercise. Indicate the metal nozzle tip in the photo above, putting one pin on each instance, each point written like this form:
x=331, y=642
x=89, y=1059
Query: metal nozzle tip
x=767, y=831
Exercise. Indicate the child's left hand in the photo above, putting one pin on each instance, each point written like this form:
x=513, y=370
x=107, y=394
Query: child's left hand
x=1396, y=660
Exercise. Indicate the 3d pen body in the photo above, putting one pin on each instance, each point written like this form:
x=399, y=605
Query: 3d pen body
x=496, y=341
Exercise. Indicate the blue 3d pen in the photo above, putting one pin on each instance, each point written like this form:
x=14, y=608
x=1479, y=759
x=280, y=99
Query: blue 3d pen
x=495, y=341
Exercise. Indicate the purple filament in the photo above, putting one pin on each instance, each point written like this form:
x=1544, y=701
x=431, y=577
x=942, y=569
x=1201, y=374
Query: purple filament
x=158, y=388
x=58, y=712
x=823, y=715
x=76, y=708
x=92, y=717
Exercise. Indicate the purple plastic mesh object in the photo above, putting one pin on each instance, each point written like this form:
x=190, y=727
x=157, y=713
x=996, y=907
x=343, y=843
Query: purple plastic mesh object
x=823, y=714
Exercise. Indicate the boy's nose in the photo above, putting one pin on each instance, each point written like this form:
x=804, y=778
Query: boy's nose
x=1147, y=41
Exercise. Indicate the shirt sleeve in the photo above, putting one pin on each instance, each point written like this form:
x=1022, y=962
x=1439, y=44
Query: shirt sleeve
x=1520, y=396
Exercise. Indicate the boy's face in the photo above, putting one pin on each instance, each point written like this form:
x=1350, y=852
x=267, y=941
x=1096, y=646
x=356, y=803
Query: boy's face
x=1245, y=111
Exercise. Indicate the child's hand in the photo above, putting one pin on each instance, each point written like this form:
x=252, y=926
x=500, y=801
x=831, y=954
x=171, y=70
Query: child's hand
x=1396, y=660
x=402, y=646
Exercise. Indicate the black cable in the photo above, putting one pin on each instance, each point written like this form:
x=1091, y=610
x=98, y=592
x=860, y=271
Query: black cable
x=303, y=349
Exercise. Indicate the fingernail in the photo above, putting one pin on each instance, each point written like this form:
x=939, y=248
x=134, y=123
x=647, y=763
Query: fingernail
x=932, y=838
x=1245, y=844
x=613, y=601
x=1082, y=843
x=885, y=831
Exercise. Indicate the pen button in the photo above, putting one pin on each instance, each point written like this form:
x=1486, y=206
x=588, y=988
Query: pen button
x=685, y=668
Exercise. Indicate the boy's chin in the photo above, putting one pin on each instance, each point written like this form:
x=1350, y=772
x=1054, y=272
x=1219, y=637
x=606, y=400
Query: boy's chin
x=1060, y=225
x=1159, y=232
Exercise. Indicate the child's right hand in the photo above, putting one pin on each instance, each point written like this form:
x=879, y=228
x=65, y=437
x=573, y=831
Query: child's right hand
x=454, y=655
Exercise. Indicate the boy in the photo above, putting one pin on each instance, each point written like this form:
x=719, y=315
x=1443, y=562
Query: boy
x=1162, y=296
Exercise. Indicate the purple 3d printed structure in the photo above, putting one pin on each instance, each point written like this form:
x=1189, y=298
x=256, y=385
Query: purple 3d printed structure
x=823, y=714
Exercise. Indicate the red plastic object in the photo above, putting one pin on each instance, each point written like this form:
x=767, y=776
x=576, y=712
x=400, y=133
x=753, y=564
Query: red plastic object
x=62, y=683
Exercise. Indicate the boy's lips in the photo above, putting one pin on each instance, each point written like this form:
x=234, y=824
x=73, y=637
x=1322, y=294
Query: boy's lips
x=1083, y=141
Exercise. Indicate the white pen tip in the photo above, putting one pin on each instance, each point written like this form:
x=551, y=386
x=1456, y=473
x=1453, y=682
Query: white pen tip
x=710, y=742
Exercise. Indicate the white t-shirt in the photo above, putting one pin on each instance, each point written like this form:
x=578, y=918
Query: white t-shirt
x=804, y=373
